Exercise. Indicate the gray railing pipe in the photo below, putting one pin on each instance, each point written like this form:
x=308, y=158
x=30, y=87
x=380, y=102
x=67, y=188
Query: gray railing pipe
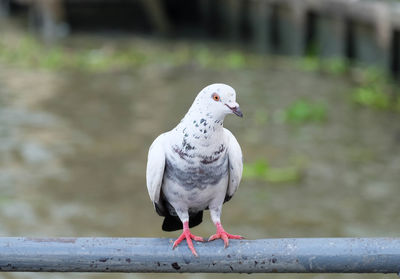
x=303, y=255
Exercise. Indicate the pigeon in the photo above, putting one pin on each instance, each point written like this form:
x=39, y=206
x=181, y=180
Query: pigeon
x=196, y=166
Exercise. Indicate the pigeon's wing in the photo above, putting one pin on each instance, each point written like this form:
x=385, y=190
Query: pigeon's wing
x=155, y=171
x=235, y=164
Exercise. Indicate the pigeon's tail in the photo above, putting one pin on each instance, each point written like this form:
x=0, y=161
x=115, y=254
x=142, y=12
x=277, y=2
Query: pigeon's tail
x=173, y=223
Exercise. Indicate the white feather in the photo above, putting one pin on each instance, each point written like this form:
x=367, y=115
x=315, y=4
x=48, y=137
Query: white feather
x=155, y=168
x=235, y=163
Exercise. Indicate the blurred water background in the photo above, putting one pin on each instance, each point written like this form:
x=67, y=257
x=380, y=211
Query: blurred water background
x=321, y=148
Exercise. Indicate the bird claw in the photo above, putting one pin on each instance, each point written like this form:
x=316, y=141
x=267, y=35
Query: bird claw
x=188, y=236
x=221, y=233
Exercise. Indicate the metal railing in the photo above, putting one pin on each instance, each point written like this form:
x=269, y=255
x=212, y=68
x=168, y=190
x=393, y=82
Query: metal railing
x=301, y=255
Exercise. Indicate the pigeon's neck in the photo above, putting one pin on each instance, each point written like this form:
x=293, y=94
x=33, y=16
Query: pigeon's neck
x=202, y=126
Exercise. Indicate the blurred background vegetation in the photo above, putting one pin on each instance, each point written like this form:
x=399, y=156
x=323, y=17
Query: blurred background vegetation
x=85, y=90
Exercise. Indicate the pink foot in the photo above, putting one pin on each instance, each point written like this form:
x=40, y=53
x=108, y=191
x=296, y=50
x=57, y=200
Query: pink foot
x=221, y=233
x=186, y=234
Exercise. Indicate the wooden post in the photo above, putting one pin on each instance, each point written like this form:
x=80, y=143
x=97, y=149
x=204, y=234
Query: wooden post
x=372, y=34
x=48, y=18
x=4, y=8
x=330, y=37
x=158, y=17
x=291, y=26
x=232, y=19
x=261, y=16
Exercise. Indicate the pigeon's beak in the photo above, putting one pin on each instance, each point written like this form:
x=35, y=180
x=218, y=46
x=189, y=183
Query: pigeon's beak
x=235, y=109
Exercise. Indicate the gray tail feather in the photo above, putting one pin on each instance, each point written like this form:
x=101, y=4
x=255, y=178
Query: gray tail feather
x=173, y=223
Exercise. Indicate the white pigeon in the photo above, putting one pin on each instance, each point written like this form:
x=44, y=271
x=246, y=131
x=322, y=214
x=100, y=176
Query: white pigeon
x=196, y=166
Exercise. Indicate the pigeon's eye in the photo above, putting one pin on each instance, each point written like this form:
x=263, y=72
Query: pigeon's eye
x=215, y=97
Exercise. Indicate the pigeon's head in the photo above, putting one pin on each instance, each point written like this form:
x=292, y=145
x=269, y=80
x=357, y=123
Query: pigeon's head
x=219, y=99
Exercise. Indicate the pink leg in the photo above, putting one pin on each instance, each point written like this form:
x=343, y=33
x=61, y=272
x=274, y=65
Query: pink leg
x=186, y=234
x=221, y=233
